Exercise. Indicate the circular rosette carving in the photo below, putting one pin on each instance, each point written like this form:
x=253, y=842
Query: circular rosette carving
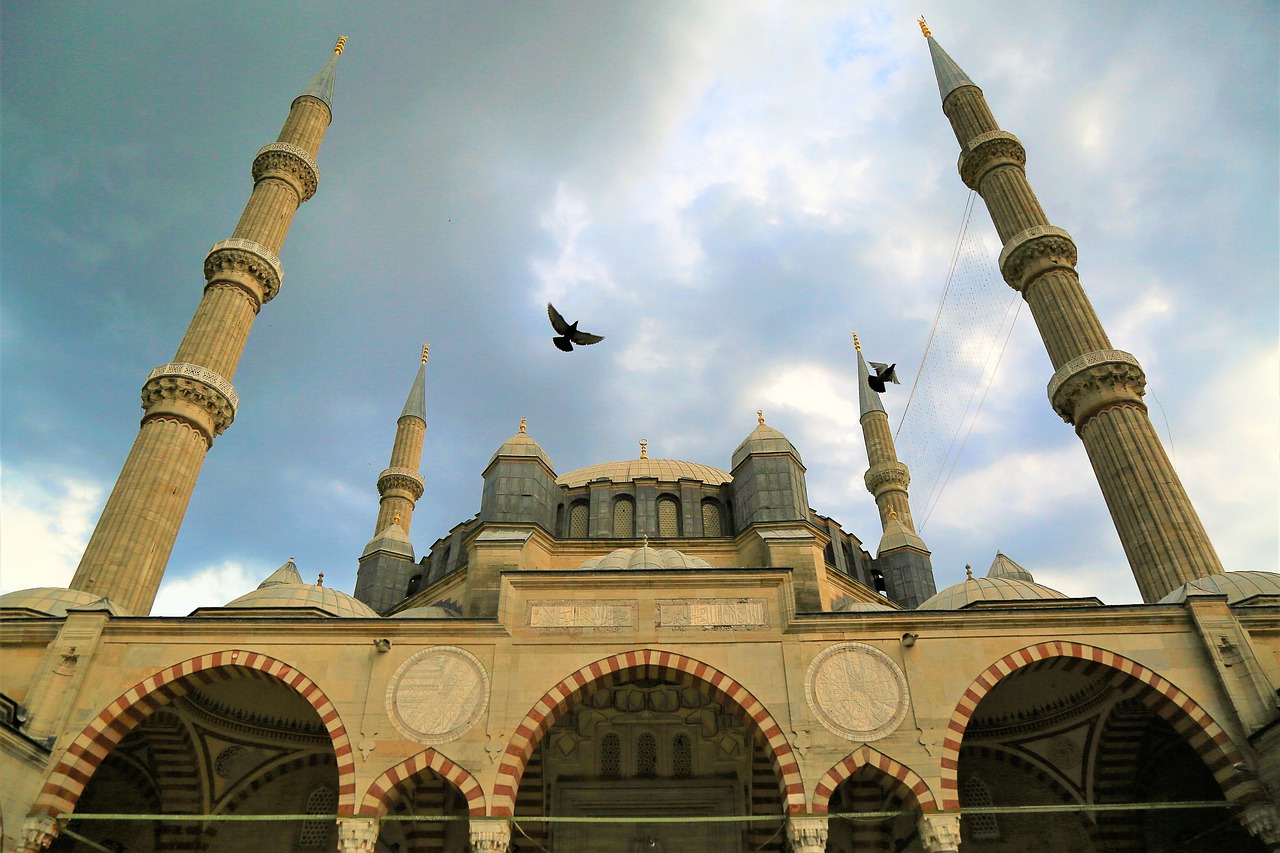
x=437, y=694
x=987, y=151
x=289, y=163
x=1031, y=253
x=856, y=691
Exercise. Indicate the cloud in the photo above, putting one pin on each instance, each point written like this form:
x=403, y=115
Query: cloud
x=575, y=265
x=45, y=522
x=211, y=586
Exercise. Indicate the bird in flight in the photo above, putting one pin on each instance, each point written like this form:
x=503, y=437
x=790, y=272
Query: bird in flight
x=884, y=373
x=568, y=333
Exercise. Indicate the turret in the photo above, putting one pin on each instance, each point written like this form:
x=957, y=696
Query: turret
x=1096, y=388
x=520, y=484
x=768, y=478
x=190, y=401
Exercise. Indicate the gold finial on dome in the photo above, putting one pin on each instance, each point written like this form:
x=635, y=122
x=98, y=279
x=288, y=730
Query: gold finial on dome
x=395, y=519
x=426, y=348
x=856, y=345
x=892, y=513
x=644, y=448
x=760, y=416
x=320, y=579
x=523, y=428
x=340, y=46
x=968, y=570
x=924, y=28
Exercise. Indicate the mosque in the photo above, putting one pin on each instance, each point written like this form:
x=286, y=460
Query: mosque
x=648, y=654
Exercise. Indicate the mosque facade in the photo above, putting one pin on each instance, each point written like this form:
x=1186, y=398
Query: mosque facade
x=647, y=654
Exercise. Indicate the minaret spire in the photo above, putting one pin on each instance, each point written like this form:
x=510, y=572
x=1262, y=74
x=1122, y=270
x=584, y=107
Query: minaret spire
x=400, y=485
x=1096, y=388
x=190, y=400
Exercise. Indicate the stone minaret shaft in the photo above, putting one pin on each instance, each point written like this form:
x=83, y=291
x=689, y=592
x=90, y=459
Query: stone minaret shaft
x=886, y=478
x=1096, y=388
x=190, y=401
x=400, y=485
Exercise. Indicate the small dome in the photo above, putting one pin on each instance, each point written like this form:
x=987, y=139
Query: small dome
x=393, y=540
x=645, y=558
x=433, y=611
x=286, y=574
x=663, y=470
x=56, y=601
x=1236, y=586
x=764, y=439
x=521, y=446
x=1003, y=567
x=306, y=595
x=896, y=535
x=987, y=589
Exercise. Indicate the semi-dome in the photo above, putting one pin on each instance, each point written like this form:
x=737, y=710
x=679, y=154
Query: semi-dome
x=431, y=611
x=764, y=439
x=56, y=601
x=854, y=606
x=521, y=445
x=1236, y=586
x=646, y=558
x=664, y=470
x=331, y=601
x=973, y=589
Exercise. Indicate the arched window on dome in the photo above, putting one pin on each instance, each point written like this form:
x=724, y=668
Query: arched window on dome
x=713, y=521
x=974, y=793
x=624, y=517
x=579, y=517
x=668, y=517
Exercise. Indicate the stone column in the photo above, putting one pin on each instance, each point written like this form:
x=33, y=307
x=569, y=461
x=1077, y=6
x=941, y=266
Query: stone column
x=38, y=833
x=940, y=833
x=1263, y=821
x=490, y=835
x=357, y=834
x=807, y=834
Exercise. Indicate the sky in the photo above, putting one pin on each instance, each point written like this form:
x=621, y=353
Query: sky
x=724, y=190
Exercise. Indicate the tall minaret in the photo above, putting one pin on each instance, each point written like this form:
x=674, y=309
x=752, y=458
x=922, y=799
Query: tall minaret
x=400, y=485
x=1095, y=388
x=190, y=401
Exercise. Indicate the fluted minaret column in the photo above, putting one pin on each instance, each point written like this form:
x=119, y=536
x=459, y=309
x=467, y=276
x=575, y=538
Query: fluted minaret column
x=886, y=478
x=190, y=401
x=400, y=485
x=1096, y=388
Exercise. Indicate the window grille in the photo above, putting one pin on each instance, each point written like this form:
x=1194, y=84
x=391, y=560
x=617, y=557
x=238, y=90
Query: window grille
x=315, y=833
x=711, y=519
x=578, y=517
x=974, y=792
x=668, y=518
x=610, y=756
x=682, y=757
x=624, y=518
x=646, y=756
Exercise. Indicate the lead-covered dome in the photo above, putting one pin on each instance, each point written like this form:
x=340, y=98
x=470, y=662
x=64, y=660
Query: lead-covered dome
x=664, y=470
x=521, y=446
x=1236, y=586
x=56, y=601
x=645, y=558
x=284, y=588
x=964, y=593
x=764, y=439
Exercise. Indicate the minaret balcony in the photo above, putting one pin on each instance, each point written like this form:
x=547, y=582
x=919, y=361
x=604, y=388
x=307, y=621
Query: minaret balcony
x=289, y=163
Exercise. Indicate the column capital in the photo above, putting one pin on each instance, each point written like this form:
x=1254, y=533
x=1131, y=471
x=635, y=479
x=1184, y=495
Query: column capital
x=1262, y=819
x=38, y=832
x=490, y=835
x=807, y=833
x=357, y=834
x=940, y=833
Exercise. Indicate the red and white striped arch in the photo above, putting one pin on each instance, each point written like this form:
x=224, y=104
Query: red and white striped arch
x=861, y=757
x=379, y=798
x=1205, y=736
x=646, y=663
x=66, y=783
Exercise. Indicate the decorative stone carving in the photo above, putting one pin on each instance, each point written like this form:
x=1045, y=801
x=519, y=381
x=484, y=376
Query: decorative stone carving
x=985, y=152
x=490, y=835
x=856, y=691
x=807, y=834
x=940, y=833
x=712, y=614
x=38, y=832
x=583, y=615
x=437, y=694
x=403, y=480
x=194, y=385
x=357, y=834
x=887, y=476
x=294, y=164
x=1086, y=384
x=239, y=257
x=1031, y=253
x=1262, y=819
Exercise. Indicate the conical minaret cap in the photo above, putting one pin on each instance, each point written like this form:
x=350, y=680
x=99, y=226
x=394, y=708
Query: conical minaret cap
x=949, y=75
x=286, y=574
x=1003, y=567
x=415, y=405
x=521, y=446
x=868, y=397
x=896, y=535
x=393, y=540
x=321, y=85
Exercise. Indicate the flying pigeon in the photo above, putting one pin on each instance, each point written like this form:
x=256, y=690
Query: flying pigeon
x=884, y=373
x=569, y=334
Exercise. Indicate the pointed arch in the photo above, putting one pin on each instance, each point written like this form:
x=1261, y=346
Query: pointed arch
x=1191, y=721
x=65, y=784
x=377, y=801
x=864, y=755
x=646, y=663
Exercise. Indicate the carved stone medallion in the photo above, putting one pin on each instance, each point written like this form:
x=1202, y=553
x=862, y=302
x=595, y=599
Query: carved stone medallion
x=437, y=694
x=857, y=691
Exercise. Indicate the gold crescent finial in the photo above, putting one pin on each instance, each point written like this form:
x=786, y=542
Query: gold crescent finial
x=426, y=348
x=759, y=416
x=395, y=519
x=856, y=345
x=924, y=28
x=522, y=425
x=644, y=448
x=340, y=46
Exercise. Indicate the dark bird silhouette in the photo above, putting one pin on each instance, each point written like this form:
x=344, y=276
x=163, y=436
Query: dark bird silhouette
x=884, y=373
x=568, y=332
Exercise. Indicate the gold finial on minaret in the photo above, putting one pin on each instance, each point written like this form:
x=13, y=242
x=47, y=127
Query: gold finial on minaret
x=893, y=514
x=395, y=519
x=426, y=348
x=644, y=448
x=924, y=28
x=340, y=46
x=760, y=416
x=523, y=429
x=856, y=345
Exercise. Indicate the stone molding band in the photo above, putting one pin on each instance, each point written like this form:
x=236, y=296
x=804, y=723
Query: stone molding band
x=405, y=479
x=195, y=386
x=1035, y=251
x=987, y=151
x=246, y=256
x=292, y=161
x=1093, y=381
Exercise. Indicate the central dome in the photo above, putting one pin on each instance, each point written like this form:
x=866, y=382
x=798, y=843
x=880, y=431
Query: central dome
x=667, y=470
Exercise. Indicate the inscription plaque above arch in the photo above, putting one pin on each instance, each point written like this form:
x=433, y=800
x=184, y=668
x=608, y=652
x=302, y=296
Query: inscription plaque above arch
x=856, y=691
x=437, y=694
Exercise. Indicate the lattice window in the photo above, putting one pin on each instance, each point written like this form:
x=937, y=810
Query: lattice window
x=646, y=756
x=682, y=757
x=578, y=520
x=315, y=833
x=624, y=518
x=974, y=792
x=712, y=519
x=610, y=756
x=668, y=518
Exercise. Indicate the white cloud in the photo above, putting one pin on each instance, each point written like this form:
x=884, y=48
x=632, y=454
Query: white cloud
x=211, y=586
x=45, y=522
x=1019, y=486
x=575, y=265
